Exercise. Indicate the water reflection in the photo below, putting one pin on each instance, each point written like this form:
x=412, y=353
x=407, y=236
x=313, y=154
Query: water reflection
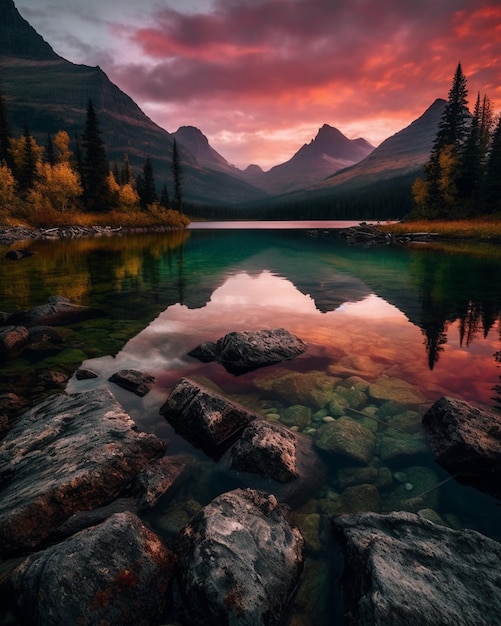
x=450, y=297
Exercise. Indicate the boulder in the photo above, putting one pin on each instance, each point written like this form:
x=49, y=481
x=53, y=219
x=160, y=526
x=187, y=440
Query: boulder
x=243, y=351
x=239, y=559
x=313, y=389
x=270, y=457
x=466, y=441
x=117, y=572
x=134, y=381
x=160, y=476
x=85, y=374
x=70, y=453
x=347, y=438
x=204, y=417
x=13, y=339
x=56, y=312
x=396, y=390
x=403, y=570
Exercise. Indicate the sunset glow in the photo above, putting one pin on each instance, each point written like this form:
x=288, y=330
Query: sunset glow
x=260, y=78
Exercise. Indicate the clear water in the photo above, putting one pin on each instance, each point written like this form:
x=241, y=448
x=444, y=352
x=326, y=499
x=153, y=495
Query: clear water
x=423, y=321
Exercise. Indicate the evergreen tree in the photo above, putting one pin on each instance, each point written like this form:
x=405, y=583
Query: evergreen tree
x=437, y=196
x=491, y=192
x=126, y=177
x=177, y=176
x=475, y=152
x=145, y=185
x=95, y=170
x=26, y=172
x=164, y=197
x=453, y=127
x=470, y=157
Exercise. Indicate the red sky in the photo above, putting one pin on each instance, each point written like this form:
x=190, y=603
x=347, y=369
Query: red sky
x=260, y=77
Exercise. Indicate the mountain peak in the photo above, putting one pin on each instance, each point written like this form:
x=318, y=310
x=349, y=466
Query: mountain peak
x=197, y=143
x=331, y=142
x=19, y=39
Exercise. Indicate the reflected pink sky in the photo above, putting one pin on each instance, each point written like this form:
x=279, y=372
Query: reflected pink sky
x=370, y=337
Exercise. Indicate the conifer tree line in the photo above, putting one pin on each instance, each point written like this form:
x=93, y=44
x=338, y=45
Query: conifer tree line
x=37, y=181
x=462, y=177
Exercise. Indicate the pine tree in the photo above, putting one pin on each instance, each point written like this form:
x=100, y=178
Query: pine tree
x=97, y=195
x=177, y=176
x=453, y=127
x=438, y=193
x=126, y=175
x=491, y=192
x=26, y=172
x=145, y=185
x=164, y=197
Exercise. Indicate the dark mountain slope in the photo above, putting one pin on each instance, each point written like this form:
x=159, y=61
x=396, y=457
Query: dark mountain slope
x=49, y=94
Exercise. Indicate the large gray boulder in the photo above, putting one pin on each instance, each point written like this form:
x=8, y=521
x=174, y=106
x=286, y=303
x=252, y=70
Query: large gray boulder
x=240, y=558
x=243, y=351
x=466, y=441
x=271, y=457
x=403, y=570
x=204, y=417
x=115, y=573
x=57, y=311
x=70, y=453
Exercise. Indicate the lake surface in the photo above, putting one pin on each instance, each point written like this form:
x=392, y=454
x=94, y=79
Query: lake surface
x=390, y=329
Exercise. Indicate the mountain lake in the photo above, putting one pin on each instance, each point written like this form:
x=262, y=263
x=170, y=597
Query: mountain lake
x=419, y=322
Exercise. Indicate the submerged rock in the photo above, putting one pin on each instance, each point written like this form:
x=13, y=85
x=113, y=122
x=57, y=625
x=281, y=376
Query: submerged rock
x=403, y=570
x=68, y=454
x=313, y=389
x=240, y=558
x=270, y=457
x=13, y=339
x=56, y=312
x=345, y=437
x=134, y=381
x=202, y=416
x=115, y=573
x=243, y=351
x=466, y=441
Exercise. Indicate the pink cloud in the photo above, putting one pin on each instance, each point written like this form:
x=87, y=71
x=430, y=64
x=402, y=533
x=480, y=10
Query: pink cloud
x=277, y=64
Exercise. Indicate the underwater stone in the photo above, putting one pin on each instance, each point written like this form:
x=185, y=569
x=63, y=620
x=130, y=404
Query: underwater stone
x=395, y=389
x=345, y=437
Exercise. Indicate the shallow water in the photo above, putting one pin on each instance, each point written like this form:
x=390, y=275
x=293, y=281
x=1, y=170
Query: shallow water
x=413, y=324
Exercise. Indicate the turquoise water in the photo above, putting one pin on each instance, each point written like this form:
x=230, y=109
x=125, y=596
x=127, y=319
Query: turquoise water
x=389, y=331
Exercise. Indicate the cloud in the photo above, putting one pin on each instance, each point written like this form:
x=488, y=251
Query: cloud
x=264, y=75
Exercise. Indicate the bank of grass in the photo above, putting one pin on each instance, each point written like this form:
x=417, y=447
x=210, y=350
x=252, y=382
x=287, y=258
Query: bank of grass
x=132, y=219
x=479, y=229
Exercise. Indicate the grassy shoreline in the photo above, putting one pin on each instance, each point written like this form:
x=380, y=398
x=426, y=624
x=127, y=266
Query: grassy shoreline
x=479, y=229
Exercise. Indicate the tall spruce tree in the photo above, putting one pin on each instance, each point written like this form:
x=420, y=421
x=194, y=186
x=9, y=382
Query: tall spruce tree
x=177, y=176
x=491, y=191
x=164, y=197
x=95, y=168
x=145, y=185
x=28, y=165
x=438, y=194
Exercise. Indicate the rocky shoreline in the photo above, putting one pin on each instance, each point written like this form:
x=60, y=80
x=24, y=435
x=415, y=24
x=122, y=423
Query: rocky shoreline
x=79, y=481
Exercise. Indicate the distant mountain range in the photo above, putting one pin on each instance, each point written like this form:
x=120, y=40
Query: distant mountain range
x=49, y=93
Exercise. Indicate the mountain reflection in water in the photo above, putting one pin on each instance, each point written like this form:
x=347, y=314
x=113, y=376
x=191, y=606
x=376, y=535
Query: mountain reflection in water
x=426, y=320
